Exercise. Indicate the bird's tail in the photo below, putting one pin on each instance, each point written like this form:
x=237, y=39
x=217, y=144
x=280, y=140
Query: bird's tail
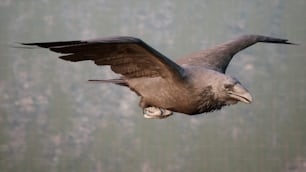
x=111, y=81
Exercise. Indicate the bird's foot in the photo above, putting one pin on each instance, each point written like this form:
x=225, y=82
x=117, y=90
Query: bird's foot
x=156, y=113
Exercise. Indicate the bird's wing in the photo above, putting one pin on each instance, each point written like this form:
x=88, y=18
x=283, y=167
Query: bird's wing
x=128, y=56
x=218, y=57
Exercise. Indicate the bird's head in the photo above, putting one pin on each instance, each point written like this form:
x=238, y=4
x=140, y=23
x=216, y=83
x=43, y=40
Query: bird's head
x=231, y=91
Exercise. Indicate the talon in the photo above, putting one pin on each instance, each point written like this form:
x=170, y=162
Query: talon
x=156, y=113
x=152, y=112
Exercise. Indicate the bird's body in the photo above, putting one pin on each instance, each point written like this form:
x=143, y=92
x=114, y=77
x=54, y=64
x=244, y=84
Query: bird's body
x=187, y=97
x=194, y=84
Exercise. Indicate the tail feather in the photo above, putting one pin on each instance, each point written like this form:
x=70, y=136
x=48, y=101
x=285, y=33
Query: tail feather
x=111, y=81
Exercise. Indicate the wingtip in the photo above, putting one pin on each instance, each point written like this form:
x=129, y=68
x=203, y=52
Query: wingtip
x=291, y=43
x=269, y=39
x=22, y=45
x=286, y=41
x=27, y=45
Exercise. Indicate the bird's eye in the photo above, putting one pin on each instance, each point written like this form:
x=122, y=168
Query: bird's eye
x=228, y=86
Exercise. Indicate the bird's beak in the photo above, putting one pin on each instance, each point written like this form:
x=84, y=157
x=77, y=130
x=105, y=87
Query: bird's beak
x=240, y=93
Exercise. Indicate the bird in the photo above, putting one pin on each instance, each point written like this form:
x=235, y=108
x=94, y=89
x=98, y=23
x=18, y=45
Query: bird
x=194, y=84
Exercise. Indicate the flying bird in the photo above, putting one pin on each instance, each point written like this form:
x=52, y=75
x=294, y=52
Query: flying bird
x=192, y=85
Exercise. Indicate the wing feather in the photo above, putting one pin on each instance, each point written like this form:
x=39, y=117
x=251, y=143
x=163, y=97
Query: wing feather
x=218, y=57
x=128, y=56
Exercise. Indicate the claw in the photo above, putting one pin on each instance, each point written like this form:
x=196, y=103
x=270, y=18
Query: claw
x=156, y=113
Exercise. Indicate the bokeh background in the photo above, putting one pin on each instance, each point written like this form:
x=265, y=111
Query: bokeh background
x=52, y=119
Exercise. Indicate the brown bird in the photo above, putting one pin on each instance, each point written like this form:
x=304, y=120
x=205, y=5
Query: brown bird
x=192, y=85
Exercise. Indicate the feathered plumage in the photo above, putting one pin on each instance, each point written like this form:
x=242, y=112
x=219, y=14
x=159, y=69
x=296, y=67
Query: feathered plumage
x=194, y=84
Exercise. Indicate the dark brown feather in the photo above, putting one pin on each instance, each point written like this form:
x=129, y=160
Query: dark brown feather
x=127, y=56
x=218, y=57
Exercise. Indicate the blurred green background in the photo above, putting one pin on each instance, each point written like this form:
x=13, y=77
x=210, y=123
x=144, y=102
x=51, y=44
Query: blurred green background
x=52, y=119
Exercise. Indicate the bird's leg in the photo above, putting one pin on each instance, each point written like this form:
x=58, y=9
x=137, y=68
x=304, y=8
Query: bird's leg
x=156, y=113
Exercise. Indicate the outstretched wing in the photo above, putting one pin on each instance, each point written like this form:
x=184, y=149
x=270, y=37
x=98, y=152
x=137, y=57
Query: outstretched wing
x=218, y=57
x=128, y=56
